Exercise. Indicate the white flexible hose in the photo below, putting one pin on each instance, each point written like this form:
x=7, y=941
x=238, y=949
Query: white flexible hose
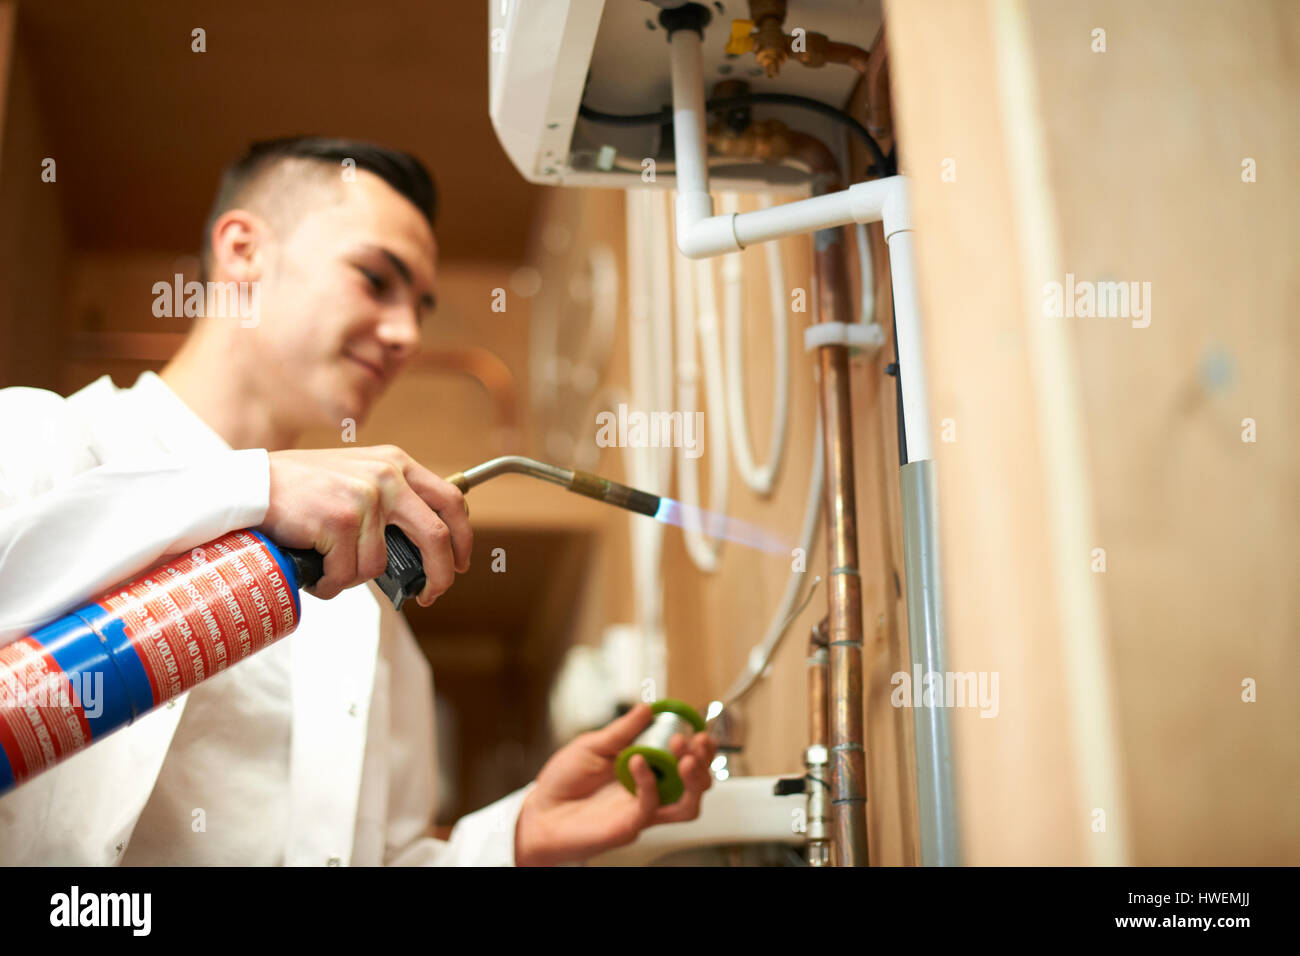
x=867, y=272
x=642, y=465
x=661, y=323
x=598, y=343
x=761, y=478
x=708, y=322
x=761, y=655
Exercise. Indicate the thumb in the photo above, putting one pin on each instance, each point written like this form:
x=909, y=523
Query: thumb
x=609, y=740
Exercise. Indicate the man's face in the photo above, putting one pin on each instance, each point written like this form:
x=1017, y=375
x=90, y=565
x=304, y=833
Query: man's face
x=343, y=296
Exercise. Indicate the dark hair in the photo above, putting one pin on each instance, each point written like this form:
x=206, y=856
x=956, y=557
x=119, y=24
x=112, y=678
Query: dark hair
x=402, y=171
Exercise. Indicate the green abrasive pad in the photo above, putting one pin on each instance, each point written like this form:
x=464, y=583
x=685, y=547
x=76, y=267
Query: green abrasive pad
x=662, y=762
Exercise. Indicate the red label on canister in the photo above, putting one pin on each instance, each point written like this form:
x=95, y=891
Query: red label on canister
x=202, y=612
x=41, y=720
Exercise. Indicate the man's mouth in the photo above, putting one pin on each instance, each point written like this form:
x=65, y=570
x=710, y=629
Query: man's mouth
x=370, y=367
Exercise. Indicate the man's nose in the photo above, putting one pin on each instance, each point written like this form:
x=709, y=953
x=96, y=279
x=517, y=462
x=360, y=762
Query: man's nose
x=400, y=331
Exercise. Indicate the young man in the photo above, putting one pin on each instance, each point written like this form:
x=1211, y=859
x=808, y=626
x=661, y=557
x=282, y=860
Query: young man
x=319, y=749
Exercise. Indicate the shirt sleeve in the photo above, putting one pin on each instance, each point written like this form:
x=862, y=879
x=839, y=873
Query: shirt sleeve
x=67, y=533
x=485, y=837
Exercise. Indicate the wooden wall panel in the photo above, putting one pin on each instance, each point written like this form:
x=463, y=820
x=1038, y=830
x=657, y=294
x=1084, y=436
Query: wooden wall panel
x=1083, y=433
x=33, y=236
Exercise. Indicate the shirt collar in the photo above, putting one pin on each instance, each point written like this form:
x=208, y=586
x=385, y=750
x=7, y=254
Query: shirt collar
x=178, y=429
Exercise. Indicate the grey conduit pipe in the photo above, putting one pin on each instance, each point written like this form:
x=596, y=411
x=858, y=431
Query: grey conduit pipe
x=936, y=804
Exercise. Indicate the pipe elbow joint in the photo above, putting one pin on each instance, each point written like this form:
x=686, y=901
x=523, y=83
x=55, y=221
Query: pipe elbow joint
x=700, y=234
x=896, y=216
x=884, y=201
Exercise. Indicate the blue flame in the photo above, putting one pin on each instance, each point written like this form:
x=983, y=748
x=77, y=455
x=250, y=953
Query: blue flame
x=720, y=526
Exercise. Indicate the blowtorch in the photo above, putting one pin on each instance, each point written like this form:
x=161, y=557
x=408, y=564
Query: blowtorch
x=148, y=640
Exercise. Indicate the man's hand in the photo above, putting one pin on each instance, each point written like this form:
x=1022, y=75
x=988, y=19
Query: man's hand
x=339, y=500
x=579, y=808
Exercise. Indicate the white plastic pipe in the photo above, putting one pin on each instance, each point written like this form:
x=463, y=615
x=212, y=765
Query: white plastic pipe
x=911, y=353
x=694, y=205
x=701, y=234
x=703, y=553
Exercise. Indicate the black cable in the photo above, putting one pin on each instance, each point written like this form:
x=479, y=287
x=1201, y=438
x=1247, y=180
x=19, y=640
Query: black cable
x=881, y=164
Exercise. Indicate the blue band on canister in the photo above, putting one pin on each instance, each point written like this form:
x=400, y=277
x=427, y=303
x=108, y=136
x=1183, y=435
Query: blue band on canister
x=286, y=566
x=76, y=647
x=6, y=772
x=112, y=632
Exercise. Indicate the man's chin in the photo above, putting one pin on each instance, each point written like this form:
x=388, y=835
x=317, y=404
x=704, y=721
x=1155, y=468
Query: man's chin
x=355, y=412
x=345, y=408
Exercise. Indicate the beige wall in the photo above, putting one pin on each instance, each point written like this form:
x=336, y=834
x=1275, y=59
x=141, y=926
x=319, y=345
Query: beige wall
x=1121, y=691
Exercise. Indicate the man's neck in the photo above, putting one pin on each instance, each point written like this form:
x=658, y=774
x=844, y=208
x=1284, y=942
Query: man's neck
x=233, y=407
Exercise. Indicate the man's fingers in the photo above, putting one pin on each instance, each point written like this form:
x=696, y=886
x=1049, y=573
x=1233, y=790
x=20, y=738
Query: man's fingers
x=647, y=791
x=705, y=749
x=702, y=775
x=372, y=546
x=340, y=566
x=431, y=538
x=446, y=499
x=612, y=738
x=687, y=806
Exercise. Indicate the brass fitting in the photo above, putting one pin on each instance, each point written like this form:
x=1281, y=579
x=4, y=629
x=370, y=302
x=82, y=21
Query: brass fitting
x=767, y=140
x=769, y=35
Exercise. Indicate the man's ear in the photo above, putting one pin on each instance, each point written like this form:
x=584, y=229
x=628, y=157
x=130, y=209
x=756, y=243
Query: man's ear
x=240, y=240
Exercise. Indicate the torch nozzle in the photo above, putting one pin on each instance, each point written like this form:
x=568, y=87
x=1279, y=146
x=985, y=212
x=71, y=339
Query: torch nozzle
x=580, y=482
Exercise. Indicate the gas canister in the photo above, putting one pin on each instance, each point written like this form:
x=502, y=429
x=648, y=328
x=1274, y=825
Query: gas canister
x=147, y=641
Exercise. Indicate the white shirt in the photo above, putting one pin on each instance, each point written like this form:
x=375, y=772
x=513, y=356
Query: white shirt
x=318, y=750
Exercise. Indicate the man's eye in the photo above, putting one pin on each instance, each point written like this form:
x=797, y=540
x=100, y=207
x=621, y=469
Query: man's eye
x=377, y=283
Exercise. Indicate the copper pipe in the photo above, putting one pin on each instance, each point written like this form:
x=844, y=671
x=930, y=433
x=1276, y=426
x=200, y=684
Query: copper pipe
x=486, y=368
x=832, y=302
x=880, y=122
x=873, y=66
x=818, y=50
x=480, y=364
